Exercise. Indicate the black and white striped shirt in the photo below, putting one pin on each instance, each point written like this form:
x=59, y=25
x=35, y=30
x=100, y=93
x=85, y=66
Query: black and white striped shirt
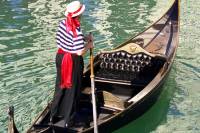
x=66, y=41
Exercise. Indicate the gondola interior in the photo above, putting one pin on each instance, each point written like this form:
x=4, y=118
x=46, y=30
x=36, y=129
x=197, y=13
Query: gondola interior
x=120, y=75
x=117, y=88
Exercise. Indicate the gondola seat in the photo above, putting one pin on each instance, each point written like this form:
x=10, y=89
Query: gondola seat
x=126, y=65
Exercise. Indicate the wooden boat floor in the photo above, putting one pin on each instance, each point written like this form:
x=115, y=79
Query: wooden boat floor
x=83, y=119
x=159, y=35
x=87, y=91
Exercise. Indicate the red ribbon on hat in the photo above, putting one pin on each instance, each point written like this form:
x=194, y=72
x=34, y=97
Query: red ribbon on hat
x=78, y=10
x=72, y=23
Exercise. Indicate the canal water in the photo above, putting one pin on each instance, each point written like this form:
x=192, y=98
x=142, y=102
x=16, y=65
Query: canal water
x=28, y=47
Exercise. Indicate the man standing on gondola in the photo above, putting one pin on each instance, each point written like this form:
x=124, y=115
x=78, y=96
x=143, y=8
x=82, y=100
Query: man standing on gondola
x=69, y=64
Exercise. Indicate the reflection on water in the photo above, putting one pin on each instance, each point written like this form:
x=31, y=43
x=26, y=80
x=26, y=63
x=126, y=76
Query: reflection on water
x=102, y=13
x=27, y=52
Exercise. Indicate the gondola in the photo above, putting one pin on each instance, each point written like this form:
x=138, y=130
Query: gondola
x=128, y=79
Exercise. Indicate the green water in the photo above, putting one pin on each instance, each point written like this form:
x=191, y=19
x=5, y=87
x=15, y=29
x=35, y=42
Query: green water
x=27, y=52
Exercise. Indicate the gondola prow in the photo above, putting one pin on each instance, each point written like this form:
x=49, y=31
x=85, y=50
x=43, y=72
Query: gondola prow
x=11, y=123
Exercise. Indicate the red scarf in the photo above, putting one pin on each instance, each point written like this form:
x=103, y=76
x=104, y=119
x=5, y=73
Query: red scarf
x=72, y=24
x=66, y=70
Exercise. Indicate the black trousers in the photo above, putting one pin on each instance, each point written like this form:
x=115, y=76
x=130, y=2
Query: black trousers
x=65, y=101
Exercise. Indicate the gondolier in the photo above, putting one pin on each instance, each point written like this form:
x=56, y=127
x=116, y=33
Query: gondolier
x=69, y=64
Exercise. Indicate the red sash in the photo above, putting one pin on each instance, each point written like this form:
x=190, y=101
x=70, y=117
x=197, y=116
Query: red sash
x=66, y=70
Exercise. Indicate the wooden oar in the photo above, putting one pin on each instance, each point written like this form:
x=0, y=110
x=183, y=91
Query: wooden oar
x=93, y=90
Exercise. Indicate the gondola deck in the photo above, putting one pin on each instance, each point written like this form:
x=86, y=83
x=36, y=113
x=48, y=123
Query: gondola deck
x=128, y=79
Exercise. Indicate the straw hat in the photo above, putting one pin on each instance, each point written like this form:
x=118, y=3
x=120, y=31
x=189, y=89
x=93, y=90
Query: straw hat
x=75, y=8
